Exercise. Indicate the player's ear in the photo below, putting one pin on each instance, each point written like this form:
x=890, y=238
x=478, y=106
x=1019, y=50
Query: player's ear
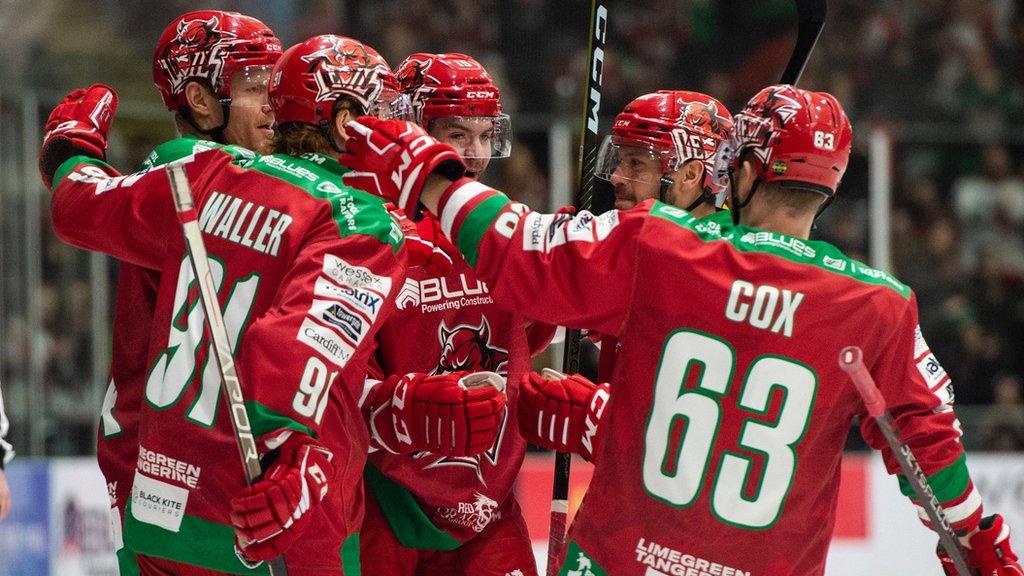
x=344, y=116
x=203, y=105
x=692, y=173
x=744, y=178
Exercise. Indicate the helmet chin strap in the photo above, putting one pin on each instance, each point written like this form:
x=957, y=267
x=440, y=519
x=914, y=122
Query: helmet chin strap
x=216, y=133
x=735, y=206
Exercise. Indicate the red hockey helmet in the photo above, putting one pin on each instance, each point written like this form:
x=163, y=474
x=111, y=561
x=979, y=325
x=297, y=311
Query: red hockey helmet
x=670, y=125
x=210, y=45
x=311, y=76
x=799, y=138
x=454, y=85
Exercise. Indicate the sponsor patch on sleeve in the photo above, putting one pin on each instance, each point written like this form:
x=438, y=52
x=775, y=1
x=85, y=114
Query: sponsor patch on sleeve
x=355, y=276
x=364, y=300
x=325, y=341
x=339, y=318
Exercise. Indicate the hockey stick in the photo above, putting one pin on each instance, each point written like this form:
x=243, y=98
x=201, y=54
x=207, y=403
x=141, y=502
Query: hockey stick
x=571, y=358
x=851, y=361
x=188, y=218
x=811, y=17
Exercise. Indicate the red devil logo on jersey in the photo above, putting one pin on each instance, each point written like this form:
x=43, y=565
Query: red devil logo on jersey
x=467, y=347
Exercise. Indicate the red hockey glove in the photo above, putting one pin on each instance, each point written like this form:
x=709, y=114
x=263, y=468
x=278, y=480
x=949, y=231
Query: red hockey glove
x=78, y=125
x=456, y=414
x=427, y=246
x=987, y=551
x=561, y=412
x=272, y=513
x=392, y=159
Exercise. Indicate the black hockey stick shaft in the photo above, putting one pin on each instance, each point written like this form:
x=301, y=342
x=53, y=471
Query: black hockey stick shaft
x=230, y=384
x=811, y=19
x=851, y=362
x=584, y=198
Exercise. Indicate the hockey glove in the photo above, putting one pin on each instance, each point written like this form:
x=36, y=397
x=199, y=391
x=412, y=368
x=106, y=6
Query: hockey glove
x=561, y=412
x=428, y=248
x=456, y=414
x=987, y=551
x=77, y=126
x=272, y=513
x=392, y=159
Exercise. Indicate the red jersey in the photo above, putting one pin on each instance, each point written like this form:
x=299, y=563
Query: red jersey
x=304, y=267
x=728, y=413
x=117, y=445
x=438, y=502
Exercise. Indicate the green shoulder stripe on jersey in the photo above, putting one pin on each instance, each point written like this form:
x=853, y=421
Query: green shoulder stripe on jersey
x=476, y=224
x=349, y=554
x=264, y=420
x=948, y=484
x=578, y=562
x=410, y=525
x=69, y=165
x=195, y=539
x=813, y=252
x=176, y=149
x=354, y=211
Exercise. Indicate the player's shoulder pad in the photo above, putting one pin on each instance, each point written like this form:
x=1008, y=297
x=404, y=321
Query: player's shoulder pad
x=813, y=252
x=354, y=211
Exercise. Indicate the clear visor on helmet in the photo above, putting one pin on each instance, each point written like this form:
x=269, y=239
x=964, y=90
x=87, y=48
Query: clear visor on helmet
x=631, y=160
x=749, y=132
x=475, y=136
x=249, y=86
x=390, y=104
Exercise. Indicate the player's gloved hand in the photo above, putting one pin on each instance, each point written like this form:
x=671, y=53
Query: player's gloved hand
x=561, y=412
x=78, y=125
x=272, y=513
x=987, y=551
x=427, y=246
x=392, y=159
x=457, y=414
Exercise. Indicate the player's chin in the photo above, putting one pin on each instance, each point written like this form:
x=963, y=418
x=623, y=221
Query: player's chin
x=624, y=203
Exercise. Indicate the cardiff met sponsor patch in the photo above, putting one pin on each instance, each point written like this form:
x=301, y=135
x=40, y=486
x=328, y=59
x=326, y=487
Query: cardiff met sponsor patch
x=158, y=503
x=325, y=341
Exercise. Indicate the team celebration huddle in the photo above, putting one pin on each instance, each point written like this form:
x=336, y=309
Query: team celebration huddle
x=284, y=399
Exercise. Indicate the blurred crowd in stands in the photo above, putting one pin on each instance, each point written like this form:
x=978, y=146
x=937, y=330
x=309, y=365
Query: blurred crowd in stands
x=942, y=75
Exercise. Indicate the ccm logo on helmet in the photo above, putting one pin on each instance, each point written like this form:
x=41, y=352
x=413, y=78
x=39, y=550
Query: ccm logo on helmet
x=481, y=94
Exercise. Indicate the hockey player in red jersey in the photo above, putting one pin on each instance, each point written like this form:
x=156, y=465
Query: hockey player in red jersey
x=428, y=514
x=663, y=146
x=728, y=413
x=211, y=69
x=307, y=268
